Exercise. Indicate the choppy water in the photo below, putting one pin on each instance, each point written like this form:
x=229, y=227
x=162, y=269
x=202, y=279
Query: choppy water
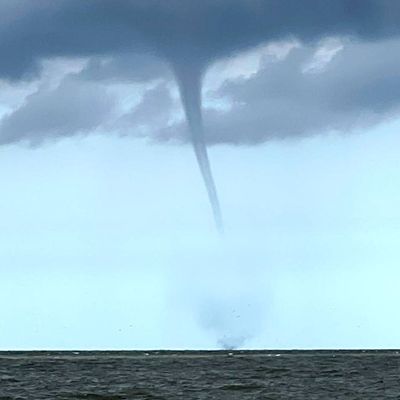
x=200, y=375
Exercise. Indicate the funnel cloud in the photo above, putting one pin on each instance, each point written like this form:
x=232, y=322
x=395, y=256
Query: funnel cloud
x=190, y=85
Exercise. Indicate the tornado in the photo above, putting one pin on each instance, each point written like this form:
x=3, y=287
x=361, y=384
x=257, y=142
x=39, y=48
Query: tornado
x=189, y=78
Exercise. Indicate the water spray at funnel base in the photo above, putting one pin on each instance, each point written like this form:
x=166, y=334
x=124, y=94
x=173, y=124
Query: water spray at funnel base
x=190, y=84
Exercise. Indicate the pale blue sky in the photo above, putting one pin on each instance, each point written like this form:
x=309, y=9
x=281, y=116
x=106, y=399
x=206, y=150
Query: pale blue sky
x=109, y=243
x=106, y=234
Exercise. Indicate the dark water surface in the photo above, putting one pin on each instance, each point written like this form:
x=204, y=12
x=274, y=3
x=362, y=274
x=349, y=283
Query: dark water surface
x=200, y=375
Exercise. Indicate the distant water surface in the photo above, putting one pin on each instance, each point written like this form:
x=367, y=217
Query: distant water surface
x=200, y=375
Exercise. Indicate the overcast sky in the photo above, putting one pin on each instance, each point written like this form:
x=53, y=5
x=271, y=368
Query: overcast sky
x=106, y=236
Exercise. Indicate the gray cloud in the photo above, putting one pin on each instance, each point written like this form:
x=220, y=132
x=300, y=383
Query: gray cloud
x=359, y=87
x=153, y=112
x=72, y=107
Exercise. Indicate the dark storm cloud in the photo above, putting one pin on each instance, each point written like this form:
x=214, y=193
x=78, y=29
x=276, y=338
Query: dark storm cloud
x=181, y=31
x=130, y=40
x=130, y=67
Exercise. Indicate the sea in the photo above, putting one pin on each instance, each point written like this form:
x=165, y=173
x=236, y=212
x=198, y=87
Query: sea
x=362, y=374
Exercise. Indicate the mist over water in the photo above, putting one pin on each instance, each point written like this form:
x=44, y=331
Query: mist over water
x=233, y=321
x=211, y=287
